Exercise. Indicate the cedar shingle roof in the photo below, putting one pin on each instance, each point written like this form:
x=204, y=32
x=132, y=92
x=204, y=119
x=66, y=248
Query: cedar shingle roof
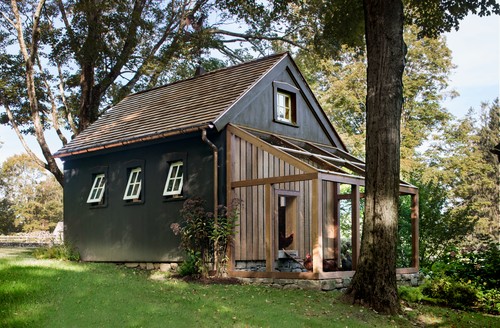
x=171, y=109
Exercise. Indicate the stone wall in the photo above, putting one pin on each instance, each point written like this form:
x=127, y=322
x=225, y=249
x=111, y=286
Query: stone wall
x=281, y=265
x=341, y=284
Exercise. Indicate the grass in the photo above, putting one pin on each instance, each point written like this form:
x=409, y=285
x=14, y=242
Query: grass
x=51, y=293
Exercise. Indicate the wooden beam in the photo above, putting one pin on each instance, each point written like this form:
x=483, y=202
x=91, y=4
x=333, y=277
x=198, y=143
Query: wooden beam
x=349, y=196
x=356, y=236
x=342, y=178
x=408, y=190
x=316, y=226
x=270, y=149
x=274, y=180
x=336, y=223
x=415, y=231
x=269, y=229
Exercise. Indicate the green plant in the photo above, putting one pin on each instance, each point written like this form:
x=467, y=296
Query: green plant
x=477, y=262
x=222, y=233
x=453, y=293
x=60, y=252
x=489, y=301
x=206, y=237
x=190, y=266
x=410, y=294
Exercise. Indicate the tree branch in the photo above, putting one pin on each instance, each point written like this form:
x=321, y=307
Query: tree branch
x=128, y=47
x=15, y=127
x=55, y=119
x=72, y=40
x=67, y=111
x=249, y=37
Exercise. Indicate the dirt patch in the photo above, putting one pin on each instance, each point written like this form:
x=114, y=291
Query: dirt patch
x=210, y=280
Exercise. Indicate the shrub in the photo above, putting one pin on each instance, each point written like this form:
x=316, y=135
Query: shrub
x=489, y=301
x=60, y=252
x=453, y=293
x=478, y=262
x=190, y=266
x=204, y=237
x=410, y=294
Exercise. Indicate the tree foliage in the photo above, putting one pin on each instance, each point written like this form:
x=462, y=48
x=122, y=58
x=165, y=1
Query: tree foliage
x=461, y=160
x=31, y=198
x=63, y=63
x=340, y=84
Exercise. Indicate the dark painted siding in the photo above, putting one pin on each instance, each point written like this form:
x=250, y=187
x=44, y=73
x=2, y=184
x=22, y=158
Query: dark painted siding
x=124, y=232
x=259, y=113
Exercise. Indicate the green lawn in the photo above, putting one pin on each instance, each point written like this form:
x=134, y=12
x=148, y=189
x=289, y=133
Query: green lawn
x=51, y=293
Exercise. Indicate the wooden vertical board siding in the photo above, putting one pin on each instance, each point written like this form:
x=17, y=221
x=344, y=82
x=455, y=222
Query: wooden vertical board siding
x=237, y=236
x=269, y=240
x=262, y=212
x=229, y=192
x=414, y=231
x=265, y=168
x=260, y=163
x=255, y=224
x=250, y=219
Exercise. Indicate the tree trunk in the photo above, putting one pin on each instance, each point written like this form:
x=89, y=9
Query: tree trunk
x=374, y=283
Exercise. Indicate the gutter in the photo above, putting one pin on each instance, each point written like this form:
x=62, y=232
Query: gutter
x=65, y=153
x=216, y=187
x=216, y=169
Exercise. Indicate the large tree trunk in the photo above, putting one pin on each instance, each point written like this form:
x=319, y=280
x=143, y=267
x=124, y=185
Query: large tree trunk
x=374, y=283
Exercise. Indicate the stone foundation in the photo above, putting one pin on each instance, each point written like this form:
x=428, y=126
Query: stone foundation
x=281, y=265
x=164, y=267
x=341, y=284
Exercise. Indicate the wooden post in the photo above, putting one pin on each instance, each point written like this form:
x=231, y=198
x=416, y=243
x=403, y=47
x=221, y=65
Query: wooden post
x=415, y=263
x=356, y=238
x=269, y=229
x=316, y=226
x=336, y=222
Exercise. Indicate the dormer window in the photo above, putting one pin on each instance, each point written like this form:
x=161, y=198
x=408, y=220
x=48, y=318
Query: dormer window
x=285, y=109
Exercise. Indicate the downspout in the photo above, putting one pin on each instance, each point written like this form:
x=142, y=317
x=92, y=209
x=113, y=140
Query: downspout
x=216, y=187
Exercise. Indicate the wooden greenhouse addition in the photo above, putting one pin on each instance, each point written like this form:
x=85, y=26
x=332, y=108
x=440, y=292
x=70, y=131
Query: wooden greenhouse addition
x=264, y=168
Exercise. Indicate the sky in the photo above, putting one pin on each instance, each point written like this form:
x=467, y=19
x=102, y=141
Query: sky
x=476, y=53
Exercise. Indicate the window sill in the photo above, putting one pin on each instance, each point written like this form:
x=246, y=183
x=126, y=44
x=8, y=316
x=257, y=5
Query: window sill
x=133, y=202
x=286, y=123
x=173, y=198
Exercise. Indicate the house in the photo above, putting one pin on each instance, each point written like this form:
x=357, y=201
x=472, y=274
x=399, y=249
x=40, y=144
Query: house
x=254, y=132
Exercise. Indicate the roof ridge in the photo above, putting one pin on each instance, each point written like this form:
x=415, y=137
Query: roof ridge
x=280, y=54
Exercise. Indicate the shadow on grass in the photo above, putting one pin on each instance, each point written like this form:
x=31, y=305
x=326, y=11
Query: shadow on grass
x=48, y=293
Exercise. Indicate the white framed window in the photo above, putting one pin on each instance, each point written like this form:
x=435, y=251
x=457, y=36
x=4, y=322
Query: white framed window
x=97, y=191
x=284, y=107
x=173, y=186
x=134, y=184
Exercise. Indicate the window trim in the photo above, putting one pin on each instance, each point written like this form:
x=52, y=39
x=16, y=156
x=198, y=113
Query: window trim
x=290, y=91
x=286, y=109
x=97, y=190
x=178, y=191
x=132, y=184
